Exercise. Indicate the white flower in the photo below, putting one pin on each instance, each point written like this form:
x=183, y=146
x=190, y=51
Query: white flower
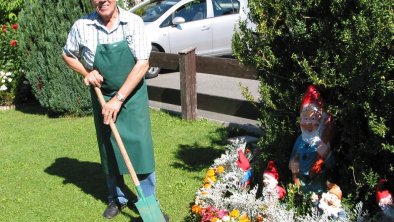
x=9, y=80
x=226, y=218
x=8, y=74
x=3, y=81
x=3, y=88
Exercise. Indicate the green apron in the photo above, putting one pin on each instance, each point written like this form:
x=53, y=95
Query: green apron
x=114, y=62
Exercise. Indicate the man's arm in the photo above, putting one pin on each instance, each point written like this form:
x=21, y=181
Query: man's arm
x=92, y=78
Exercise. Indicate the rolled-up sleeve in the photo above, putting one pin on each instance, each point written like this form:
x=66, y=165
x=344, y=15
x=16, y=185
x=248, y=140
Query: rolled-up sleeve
x=72, y=44
x=140, y=44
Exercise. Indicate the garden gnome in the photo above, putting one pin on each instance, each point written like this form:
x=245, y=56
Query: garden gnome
x=330, y=202
x=311, y=155
x=270, y=180
x=385, y=199
x=244, y=164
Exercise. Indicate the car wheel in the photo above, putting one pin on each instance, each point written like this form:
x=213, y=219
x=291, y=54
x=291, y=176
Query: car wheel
x=153, y=71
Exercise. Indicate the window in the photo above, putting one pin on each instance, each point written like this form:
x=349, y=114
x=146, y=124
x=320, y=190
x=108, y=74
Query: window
x=192, y=11
x=225, y=7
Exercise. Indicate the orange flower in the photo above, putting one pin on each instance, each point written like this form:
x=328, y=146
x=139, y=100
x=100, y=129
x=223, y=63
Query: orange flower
x=15, y=26
x=260, y=218
x=207, y=185
x=196, y=209
x=220, y=169
x=244, y=218
x=4, y=28
x=210, y=173
x=13, y=43
x=234, y=213
x=215, y=219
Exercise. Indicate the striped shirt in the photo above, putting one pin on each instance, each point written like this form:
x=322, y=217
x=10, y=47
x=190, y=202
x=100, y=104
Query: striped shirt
x=89, y=31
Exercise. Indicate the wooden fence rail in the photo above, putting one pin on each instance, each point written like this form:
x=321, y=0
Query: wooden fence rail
x=188, y=65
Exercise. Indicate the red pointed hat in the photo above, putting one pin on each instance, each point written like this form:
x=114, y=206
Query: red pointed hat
x=271, y=170
x=311, y=96
x=242, y=161
x=381, y=192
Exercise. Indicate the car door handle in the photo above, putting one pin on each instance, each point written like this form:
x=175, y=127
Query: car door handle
x=204, y=28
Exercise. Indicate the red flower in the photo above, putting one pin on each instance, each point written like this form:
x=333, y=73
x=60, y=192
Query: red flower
x=15, y=26
x=13, y=43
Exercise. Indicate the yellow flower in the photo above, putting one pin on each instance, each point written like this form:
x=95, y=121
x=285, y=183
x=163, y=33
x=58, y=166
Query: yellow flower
x=234, y=213
x=210, y=173
x=244, y=218
x=215, y=219
x=212, y=178
x=207, y=185
x=220, y=169
x=196, y=209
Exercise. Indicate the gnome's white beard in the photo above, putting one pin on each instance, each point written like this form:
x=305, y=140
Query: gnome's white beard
x=310, y=137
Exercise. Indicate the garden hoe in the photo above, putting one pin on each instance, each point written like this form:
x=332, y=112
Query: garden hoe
x=147, y=206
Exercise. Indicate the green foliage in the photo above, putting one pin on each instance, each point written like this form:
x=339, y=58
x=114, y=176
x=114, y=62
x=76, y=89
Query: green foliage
x=9, y=10
x=9, y=50
x=46, y=24
x=345, y=48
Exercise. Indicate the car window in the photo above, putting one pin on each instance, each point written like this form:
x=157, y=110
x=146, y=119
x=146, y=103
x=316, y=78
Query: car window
x=225, y=7
x=154, y=10
x=191, y=11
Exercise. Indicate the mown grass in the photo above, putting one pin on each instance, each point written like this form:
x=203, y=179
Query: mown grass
x=50, y=168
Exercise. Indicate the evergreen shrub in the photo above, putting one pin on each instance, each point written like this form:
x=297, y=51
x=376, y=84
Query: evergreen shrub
x=46, y=24
x=345, y=48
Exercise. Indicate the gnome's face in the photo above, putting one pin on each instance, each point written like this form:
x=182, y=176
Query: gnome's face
x=269, y=181
x=310, y=118
x=386, y=201
x=310, y=122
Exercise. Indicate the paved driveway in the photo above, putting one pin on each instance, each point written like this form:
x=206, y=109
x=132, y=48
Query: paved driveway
x=212, y=85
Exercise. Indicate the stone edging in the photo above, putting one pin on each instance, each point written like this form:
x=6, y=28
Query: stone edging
x=10, y=107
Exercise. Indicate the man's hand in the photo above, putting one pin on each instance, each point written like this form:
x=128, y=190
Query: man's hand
x=110, y=110
x=94, y=79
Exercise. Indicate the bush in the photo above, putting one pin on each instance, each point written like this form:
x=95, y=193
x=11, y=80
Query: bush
x=46, y=24
x=9, y=53
x=346, y=49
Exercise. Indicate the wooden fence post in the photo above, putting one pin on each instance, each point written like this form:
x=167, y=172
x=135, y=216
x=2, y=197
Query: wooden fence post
x=187, y=69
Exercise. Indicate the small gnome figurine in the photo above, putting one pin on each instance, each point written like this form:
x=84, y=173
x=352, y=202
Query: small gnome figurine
x=243, y=163
x=330, y=202
x=270, y=181
x=385, y=199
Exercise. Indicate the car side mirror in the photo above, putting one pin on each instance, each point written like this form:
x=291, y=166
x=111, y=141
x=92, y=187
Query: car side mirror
x=178, y=20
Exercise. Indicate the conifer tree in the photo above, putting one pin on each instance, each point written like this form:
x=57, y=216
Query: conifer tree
x=46, y=24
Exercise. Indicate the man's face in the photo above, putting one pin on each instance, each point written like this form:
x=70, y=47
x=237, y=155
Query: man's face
x=105, y=8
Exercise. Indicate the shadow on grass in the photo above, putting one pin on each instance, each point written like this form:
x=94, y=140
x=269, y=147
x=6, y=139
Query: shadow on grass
x=89, y=177
x=196, y=157
x=86, y=175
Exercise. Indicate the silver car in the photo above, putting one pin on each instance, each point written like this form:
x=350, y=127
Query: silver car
x=175, y=25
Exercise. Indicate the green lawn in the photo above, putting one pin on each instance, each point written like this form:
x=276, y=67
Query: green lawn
x=50, y=167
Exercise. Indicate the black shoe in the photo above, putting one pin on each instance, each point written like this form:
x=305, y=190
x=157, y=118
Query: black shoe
x=113, y=209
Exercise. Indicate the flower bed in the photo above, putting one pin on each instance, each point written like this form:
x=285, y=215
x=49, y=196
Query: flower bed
x=224, y=197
